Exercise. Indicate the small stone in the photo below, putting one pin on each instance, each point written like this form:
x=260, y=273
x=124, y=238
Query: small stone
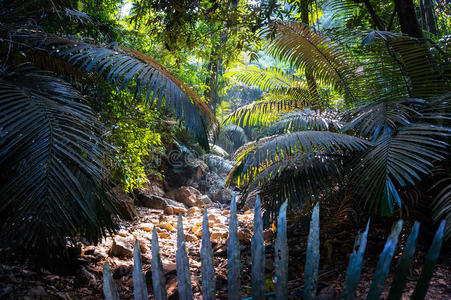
x=169, y=210
x=169, y=227
x=214, y=218
x=164, y=235
x=196, y=227
x=198, y=233
x=267, y=234
x=189, y=196
x=142, y=246
x=219, y=235
x=123, y=233
x=244, y=235
x=146, y=226
x=221, y=250
x=169, y=269
x=171, y=288
x=190, y=238
x=121, y=248
x=194, y=211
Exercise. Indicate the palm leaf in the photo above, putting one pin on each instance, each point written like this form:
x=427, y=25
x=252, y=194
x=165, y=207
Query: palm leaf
x=305, y=142
x=56, y=187
x=122, y=66
x=396, y=161
x=300, y=178
x=441, y=204
x=299, y=166
x=273, y=81
x=306, y=119
x=312, y=51
x=264, y=111
x=374, y=119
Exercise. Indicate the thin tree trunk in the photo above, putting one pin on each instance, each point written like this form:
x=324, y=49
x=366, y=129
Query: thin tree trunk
x=425, y=81
x=215, y=71
x=311, y=82
x=427, y=14
x=408, y=18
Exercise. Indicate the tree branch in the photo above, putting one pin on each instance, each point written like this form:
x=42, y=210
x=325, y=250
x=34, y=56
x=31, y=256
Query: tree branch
x=373, y=15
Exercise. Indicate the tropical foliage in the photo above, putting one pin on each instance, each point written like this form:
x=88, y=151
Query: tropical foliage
x=385, y=131
x=55, y=158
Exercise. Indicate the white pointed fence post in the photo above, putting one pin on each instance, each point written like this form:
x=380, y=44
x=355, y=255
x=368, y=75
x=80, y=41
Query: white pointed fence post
x=158, y=280
x=233, y=255
x=206, y=257
x=258, y=254
x=182, y=264
x=281, y=255
x=139, y=280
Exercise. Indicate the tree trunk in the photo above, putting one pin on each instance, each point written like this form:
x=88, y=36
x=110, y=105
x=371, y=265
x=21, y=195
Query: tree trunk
x=214, y=71
x=427, y=15
x=419, y=65
x=311, y=82
x=408, y=18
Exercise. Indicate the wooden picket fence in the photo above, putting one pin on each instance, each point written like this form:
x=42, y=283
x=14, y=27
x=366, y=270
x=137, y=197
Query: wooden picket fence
x=281, y=263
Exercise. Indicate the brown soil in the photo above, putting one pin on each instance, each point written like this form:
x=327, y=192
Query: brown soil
x=337, y=238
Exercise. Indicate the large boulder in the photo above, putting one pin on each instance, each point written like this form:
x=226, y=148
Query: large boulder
x=189, y=196
x=157, y=202
x=214, y=187
x=125, y=205
x=218, y=164
x=155, y=186
x=121, y=247
x=174, y=210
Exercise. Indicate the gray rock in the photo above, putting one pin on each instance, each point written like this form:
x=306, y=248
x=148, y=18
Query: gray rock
x=189, y=196
x=126, y=205
x=155, y=186
x=121, y=248
x=157, y=202
x=206, y=200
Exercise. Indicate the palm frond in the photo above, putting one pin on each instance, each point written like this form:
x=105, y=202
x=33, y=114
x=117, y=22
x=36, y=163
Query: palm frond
x=53, y=158
x=307, y=142
x=272, y=80
x=397, y=160
x=306, y=119
x=312, y=51
x=402, y=67
x=122, y=66
x=254, y=156
x=375, y=119
x=441, y=204
x=263, y=112
x=300, y=177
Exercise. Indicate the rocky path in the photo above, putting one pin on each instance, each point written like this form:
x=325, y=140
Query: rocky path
x=118, y=251
x=20, y=282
